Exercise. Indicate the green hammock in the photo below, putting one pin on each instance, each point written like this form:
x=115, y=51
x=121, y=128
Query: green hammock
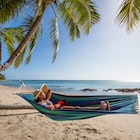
x=119, y=104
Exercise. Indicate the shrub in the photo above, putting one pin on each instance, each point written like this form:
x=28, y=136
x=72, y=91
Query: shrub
x=2, y=77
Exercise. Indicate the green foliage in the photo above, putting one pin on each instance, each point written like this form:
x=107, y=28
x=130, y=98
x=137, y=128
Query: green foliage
x=78, y=15
x=26, y=26
x=2, y=77
x=129, y=13
x=12, y=37
x=54, y=34
x=10, y=8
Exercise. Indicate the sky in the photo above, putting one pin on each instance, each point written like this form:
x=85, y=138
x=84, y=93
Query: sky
x=109, y=52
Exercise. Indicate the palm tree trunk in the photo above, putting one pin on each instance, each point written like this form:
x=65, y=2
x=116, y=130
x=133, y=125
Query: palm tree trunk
x=0, y=52
x=24, y=42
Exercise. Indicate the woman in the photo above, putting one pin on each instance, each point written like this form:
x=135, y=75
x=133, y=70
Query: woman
x=43, y=95
x=44, y=88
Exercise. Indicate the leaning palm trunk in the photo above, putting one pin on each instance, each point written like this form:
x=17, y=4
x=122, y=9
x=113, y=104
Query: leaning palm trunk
x=22, y=45
x=13, y=107
x=0, y=51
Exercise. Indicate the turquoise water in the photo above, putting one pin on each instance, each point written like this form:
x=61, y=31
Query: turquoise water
x=75, y=86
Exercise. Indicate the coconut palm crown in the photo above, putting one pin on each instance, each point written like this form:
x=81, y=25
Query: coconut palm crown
x=77, y=15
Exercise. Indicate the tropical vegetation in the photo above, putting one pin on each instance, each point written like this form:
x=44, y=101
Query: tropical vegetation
x=11, y=37
x=77, y=15
x=2, y=77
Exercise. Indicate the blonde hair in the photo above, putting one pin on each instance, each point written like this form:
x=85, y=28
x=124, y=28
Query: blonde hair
x=44, y=88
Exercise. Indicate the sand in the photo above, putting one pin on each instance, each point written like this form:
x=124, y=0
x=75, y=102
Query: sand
x=29, y=124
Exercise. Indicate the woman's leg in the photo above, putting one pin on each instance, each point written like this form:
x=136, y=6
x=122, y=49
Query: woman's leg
x=90, y=108
x=69, y=107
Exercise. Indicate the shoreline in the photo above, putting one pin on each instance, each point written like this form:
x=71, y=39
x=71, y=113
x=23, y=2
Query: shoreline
x=134, y=90
x=31, y=125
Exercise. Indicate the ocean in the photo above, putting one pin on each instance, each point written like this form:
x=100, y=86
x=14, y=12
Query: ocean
x=77, y=86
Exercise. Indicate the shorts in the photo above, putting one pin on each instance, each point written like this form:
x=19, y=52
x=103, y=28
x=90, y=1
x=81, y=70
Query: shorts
x=47, y=103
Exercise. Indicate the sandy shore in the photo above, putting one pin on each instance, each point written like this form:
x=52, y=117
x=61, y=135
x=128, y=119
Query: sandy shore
x=31, y=125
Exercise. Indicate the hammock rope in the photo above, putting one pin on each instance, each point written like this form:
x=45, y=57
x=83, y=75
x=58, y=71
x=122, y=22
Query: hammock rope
x=14, y=107
x=22, y=86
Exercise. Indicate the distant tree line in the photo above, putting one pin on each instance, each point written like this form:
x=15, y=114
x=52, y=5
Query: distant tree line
x=2, y=77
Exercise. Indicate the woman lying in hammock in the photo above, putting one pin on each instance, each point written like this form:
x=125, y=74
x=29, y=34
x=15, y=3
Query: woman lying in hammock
x=43, y=96
x=61, y=104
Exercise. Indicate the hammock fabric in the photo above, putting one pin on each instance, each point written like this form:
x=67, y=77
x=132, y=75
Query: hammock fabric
x=119, y=104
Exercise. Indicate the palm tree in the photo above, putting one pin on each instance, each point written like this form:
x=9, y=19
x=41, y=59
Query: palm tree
x=77, y=15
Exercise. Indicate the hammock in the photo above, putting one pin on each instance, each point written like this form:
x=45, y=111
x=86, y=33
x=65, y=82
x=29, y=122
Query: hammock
x=119, y=104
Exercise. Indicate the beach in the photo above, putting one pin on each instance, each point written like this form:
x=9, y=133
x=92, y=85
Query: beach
x=29, y=124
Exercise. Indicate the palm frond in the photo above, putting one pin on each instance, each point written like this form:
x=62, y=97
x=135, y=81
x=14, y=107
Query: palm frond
x=26, y=26
x=10, y=8
x=70, y=20
x=10, y=43
x=37, y=6
x=129, y=13
x=12, y=37
x=54, y=35
x=16, y=33
x=32, y=43
x=82, y=13
x=31, y=48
